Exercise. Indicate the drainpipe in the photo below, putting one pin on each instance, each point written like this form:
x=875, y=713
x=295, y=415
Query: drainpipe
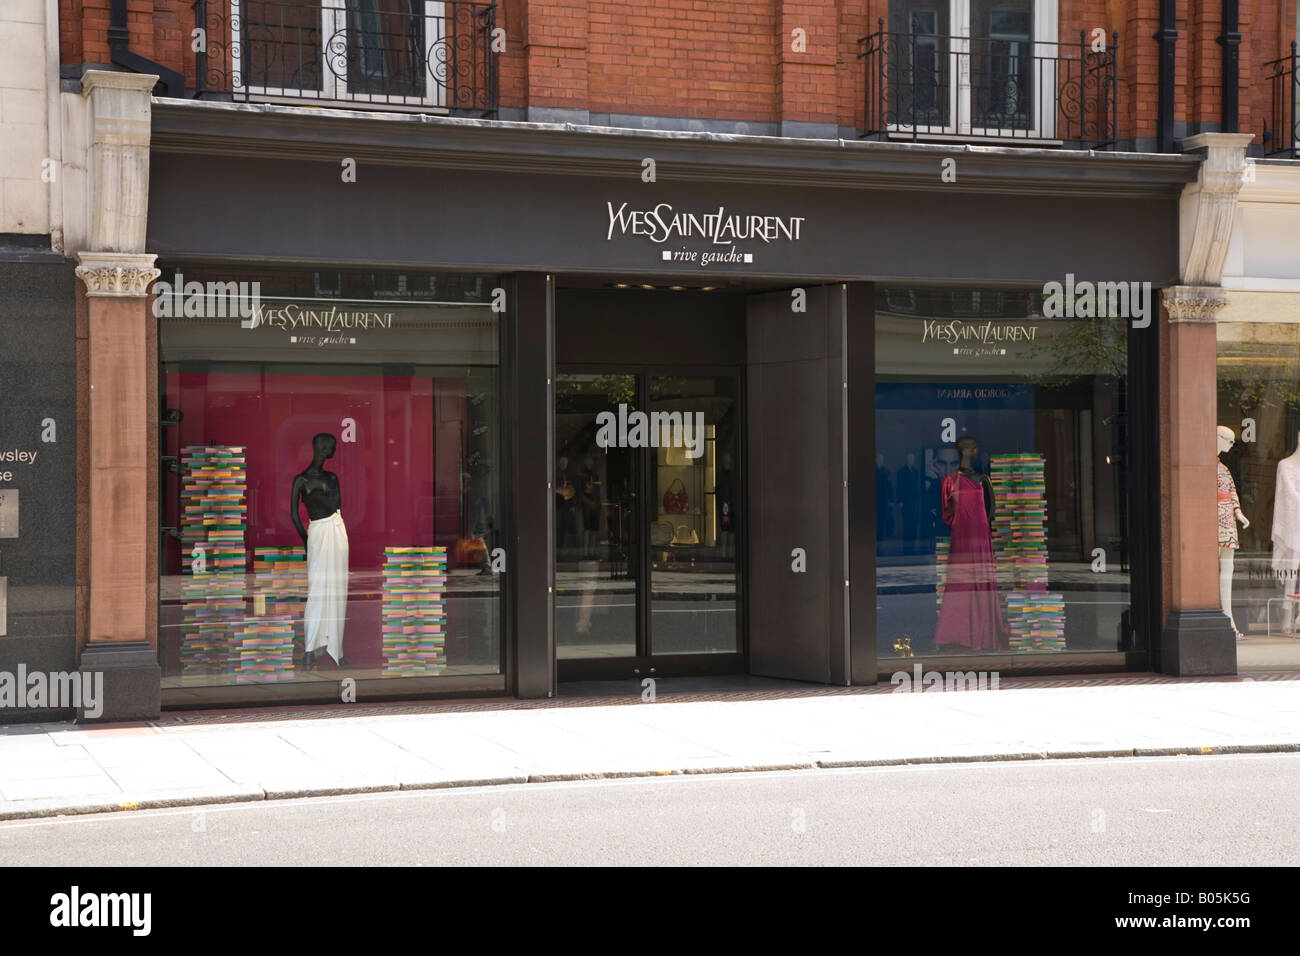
x=170, y=83
x=1230, y=39
x=1167, y=37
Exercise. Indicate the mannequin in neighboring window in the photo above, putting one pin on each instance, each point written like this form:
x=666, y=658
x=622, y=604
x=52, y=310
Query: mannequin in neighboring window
x=1229, y=514
x=970, y=617
x=326, y=540
x=1286, y=532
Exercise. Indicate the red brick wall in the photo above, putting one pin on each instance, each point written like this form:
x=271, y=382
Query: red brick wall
x=734, y=59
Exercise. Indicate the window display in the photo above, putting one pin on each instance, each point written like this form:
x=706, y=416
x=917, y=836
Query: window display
x=1229, y=514
x=1259, y=404
x=970, y=617
x=375, y=409
x=1001, y=476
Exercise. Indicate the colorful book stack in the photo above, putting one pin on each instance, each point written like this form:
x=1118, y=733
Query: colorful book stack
x=941, y=546
x=280, y=578
x=264, y=650
x=1035, y=616
x=413, y=615
x=213, y=514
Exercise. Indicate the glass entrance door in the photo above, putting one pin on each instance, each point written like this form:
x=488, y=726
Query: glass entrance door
x=691, y=551
x=597, y=527
x=648, y=524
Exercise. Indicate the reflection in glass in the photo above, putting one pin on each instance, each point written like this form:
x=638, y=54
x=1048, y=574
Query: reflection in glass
x=595, y=521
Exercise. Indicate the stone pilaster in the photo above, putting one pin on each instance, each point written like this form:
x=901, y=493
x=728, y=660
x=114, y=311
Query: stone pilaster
x=1197, y=638
x=121, y=628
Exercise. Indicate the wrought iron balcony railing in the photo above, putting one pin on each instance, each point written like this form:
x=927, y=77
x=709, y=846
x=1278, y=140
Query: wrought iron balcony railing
x=1282, y=128
x=389, y=54
x=933, y=87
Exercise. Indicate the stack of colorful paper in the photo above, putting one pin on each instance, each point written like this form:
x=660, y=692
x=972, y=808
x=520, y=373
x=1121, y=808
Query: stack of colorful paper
x=264, y=650
x=413, y=615
x=280, y=579
x=941, y=546
x=1035, y=617
x=213, y=515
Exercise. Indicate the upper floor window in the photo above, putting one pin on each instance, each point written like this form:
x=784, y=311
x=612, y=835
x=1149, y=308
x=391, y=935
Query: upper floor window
x=988, y=69
x=389, y=51
x=974, y=67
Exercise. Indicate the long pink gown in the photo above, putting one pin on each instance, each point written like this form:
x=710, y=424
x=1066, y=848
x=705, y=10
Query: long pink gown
x=971, y=614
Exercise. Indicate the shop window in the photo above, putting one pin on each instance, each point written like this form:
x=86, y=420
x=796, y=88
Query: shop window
x=1259, y=419
x=1002, y=482
x=331, y=494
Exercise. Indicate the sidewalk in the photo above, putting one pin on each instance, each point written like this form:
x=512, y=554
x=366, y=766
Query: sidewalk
x=206, y=757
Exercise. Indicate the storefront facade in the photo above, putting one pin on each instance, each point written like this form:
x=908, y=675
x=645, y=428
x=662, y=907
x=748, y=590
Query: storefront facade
x=575, y=377
x=585, y=425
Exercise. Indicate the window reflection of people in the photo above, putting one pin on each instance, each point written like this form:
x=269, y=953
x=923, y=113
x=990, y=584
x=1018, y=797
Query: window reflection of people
x=938, y=463
x=565, y=506
x=590, y=492
x=884, y=502
x=907, y=488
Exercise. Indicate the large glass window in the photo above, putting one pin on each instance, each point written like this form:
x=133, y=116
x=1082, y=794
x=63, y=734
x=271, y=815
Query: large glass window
x=331, y=493
x=1259, y=427
x=1001, y=476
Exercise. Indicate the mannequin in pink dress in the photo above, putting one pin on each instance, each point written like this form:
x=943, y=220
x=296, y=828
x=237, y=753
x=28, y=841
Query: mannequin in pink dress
x=970, y=618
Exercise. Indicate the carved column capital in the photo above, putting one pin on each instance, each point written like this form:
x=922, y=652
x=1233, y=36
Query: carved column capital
x=116, y=273
x=1193, y=304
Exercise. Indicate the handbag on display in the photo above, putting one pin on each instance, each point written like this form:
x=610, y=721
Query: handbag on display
x=676, y=502
x=685, y=535
x=471, y=550
x=661, y=534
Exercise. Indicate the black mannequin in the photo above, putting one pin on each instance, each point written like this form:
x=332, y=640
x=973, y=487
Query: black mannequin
x=968, y=448
x=318, y=490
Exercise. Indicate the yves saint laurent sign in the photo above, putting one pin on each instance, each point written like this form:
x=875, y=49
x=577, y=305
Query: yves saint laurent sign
x=318, y=324
x=976, y=338
x=721, y=229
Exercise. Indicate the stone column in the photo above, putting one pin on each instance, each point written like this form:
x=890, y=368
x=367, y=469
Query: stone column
x=121, y=630
x=1197, y=638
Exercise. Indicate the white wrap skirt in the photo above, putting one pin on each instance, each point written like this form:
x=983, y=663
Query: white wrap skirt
x=327, y=584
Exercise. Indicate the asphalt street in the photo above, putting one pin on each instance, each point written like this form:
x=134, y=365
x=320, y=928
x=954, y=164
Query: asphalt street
x=1167, y=811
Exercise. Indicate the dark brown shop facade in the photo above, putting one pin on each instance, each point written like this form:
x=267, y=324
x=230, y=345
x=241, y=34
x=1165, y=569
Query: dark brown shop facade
x=588, y=426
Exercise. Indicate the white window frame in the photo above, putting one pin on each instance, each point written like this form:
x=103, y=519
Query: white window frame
x=334, y=20
x=1045, y=36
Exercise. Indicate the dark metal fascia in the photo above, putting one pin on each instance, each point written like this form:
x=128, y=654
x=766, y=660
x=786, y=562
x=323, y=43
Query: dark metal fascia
x=191, y=126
